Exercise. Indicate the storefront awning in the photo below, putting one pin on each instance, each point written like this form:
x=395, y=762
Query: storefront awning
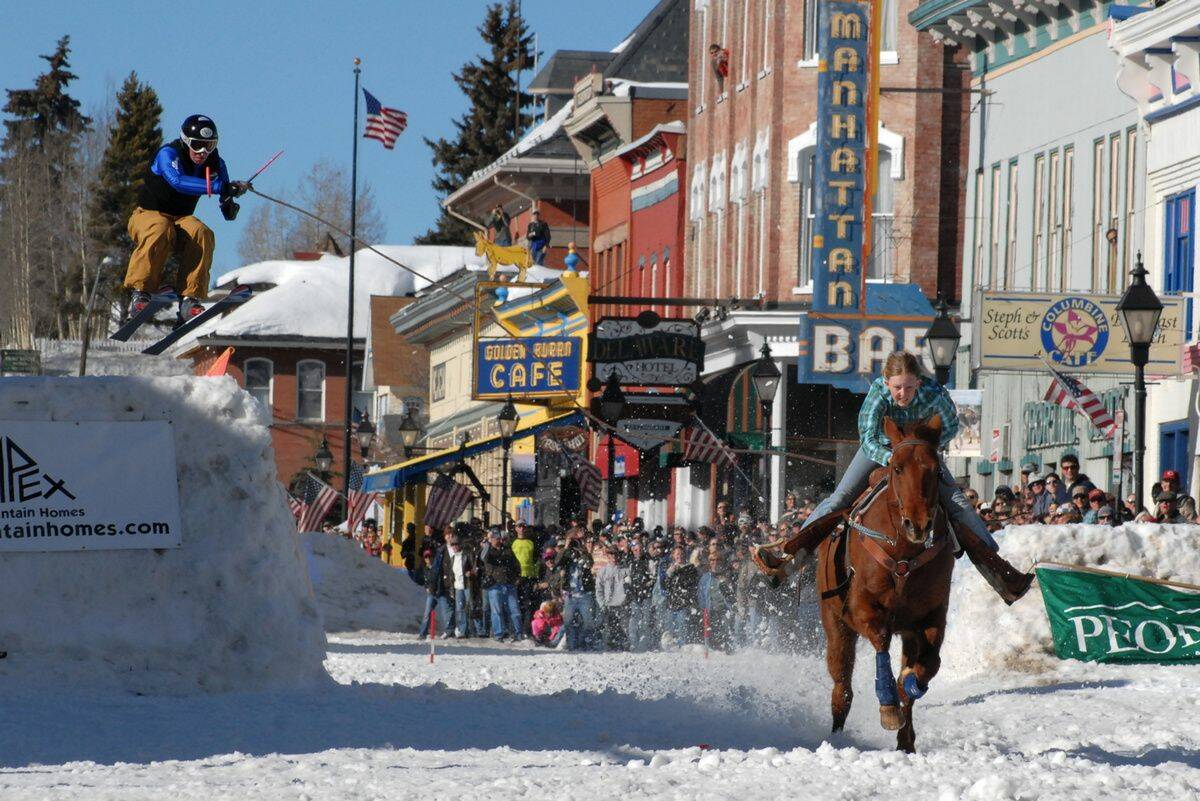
x=390, y=478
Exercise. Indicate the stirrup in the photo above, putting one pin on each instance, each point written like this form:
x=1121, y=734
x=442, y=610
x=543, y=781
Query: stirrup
x=769, y=562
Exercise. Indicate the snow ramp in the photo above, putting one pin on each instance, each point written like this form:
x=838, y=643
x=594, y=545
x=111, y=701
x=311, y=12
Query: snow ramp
x=356, y=591
x=231, y=609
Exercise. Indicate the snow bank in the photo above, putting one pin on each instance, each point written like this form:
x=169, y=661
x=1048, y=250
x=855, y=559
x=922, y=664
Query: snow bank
x=983, y=634
x=105, y=357
x=357, y=591
x=231, y=609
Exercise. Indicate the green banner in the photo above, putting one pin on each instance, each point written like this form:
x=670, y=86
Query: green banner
x=1098, y=616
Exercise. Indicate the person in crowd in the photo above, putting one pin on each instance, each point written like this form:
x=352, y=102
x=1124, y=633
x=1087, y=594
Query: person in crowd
x=719, y=56
x=434, y=579
x=1187, y=509
x=972, y=497
x=905, y=395
x=1067, y=513
x=1072, y=478
x=1096, y=498
x=660, y=559
x=611, y=578
x=748, y=594
x=579, y=609
x=1057, y=489
x=791, y=509
x=722, y=516
x=525, y=550
x=1170, y=482
x=1079, y=500
x=500, y=573
x=549, y=585
x=498, y=223
x=640, y=578
x=408, y=546
x=1166, y=509
x=547, y=623
x=682, y=582
x=1041, y=500
x=715, y=600
x=1104, y=516
x=537, y=235
x=462, y=569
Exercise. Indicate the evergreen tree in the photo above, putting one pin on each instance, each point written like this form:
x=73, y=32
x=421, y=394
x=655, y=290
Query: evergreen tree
x=136, y=136
x=39, y=158
x=491, y=125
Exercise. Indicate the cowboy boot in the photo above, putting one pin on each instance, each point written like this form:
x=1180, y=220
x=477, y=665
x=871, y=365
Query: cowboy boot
x=796, y=548
x=1008, y=582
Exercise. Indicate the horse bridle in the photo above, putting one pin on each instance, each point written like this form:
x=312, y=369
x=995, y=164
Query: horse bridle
x=912, y=442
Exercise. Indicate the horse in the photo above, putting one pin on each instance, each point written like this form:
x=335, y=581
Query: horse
x=497, y=255
x=887, y=571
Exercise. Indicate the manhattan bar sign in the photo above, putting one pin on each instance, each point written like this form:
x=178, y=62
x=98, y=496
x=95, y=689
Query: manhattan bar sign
x=840, y=168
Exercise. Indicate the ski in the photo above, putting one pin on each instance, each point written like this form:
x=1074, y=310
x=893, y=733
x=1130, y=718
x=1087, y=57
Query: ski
x=164, y=298
x=237, y=295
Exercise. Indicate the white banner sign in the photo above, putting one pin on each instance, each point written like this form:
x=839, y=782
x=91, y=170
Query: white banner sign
x=87, y=486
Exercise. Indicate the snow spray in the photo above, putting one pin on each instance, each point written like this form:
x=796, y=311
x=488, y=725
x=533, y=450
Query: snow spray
x=432, y=633
x=706, y=631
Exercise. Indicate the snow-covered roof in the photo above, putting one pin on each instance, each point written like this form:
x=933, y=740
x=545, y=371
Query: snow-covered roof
x=309, y=299
x=621, y=87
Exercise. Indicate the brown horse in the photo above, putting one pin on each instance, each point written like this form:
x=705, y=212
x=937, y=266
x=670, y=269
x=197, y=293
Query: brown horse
x=888, y=572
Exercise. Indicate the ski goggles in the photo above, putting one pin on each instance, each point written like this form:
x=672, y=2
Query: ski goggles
x=200, y=145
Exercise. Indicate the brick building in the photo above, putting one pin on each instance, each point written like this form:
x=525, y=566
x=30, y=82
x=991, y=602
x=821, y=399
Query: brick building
x=751, y=139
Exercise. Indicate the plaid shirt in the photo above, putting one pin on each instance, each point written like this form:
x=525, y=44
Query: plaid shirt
x=931, y=399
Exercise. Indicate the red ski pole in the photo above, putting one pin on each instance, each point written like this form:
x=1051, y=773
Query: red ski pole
x=432, y=633
x=706, y=632
x=270, y=161
x=207, y=182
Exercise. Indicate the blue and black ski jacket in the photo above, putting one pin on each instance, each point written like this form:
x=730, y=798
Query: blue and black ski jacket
x=173, y=184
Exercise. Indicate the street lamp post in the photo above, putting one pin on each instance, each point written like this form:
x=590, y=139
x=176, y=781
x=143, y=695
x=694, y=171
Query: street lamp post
x=364, y=433
x=86, y=336
x=942, y=338
x=323, y=458
x=766, y=383
x=612, y=406
x=410, y=430
x=507, y=419
x=1140, y=309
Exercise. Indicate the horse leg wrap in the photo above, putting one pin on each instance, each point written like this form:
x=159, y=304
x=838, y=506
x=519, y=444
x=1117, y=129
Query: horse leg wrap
x=885, y=680
x=912, y=686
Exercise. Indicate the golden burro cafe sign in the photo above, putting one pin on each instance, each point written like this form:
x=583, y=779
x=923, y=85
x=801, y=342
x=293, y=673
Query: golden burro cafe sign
x=1083, y=333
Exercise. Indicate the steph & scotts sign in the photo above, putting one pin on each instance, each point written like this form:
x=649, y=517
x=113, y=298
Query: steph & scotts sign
x=1101, y=616
x=646, y=350
x=840, y=168
x=537, y=367
x=88, y=486
x=1020, y=330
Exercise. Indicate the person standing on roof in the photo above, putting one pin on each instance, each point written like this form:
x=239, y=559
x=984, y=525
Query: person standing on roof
x=538, y=237
x=164, y=220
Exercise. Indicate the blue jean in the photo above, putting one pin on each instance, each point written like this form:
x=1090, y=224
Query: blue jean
x=640, y=631
x=537, y=250
x=858, y=475
x=503, y=598
x=443, y=609
x=681, y=625
x=462, y=613
x=581, y=606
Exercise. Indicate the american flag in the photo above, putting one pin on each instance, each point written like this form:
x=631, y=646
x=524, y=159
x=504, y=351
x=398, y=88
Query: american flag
x=704, y=446
x=446, y=502
x=360, y=501
x=1071, y=394
x=587, y=476
x=317, y=498
x=383, y=123
x=296, y=506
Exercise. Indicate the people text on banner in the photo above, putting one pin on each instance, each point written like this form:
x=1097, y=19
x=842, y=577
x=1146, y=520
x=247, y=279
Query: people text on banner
x=446, y=502
x=383, y=123
x=1072, y=394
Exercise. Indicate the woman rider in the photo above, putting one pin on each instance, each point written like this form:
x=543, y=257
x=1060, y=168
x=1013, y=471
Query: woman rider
x=904, y=394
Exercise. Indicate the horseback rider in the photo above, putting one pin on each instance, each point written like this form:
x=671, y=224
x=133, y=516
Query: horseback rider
x=906, y=395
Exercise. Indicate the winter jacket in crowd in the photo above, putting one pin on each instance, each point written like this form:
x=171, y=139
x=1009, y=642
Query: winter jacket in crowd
x=715, y=591
x=499, y=567
x=639, y=582
x=576, y=564
x=681, y=585
x=545, y=626
x=610, y=585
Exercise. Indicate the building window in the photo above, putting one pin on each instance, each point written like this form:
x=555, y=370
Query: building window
x=745, y=43
x=767, y=14
x=977, y=232
x=1100, y=277
x=1130, y=185
x=1039, y=217
x=994, y=265
x=702, y=61
x=259, y=374
x=438, y=382
x=1173, y=450
x=1179, y=256
x=1113, y=209
x=310, y=390
x=1068, y=212
x=809, y=45
x=883, y=239
x=1053, y=223
x=889, y=13
x=807, y=217
x=1010, y=254
x=361, y=399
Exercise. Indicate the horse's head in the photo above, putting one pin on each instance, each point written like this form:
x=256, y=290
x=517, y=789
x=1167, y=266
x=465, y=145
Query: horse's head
x=914, y=474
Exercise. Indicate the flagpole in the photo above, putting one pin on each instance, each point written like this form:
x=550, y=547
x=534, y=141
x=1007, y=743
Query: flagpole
x=350, y=300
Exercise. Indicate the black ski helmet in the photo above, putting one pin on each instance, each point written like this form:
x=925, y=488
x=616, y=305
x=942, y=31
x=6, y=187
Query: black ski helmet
x=198, y=126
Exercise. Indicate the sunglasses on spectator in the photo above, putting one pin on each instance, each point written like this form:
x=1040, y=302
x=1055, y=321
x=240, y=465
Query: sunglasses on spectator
x=1104, y=517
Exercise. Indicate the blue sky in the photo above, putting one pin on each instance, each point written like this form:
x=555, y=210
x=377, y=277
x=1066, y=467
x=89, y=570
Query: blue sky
x=278, y=75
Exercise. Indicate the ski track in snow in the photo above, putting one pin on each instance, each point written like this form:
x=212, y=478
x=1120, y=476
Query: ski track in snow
x=502, y=721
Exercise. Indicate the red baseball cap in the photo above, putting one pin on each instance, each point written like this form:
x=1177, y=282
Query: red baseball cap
x=1170, y=475
x=1097, y=495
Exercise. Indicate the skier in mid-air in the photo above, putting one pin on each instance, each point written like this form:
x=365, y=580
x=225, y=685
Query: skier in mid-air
x=163, y=222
